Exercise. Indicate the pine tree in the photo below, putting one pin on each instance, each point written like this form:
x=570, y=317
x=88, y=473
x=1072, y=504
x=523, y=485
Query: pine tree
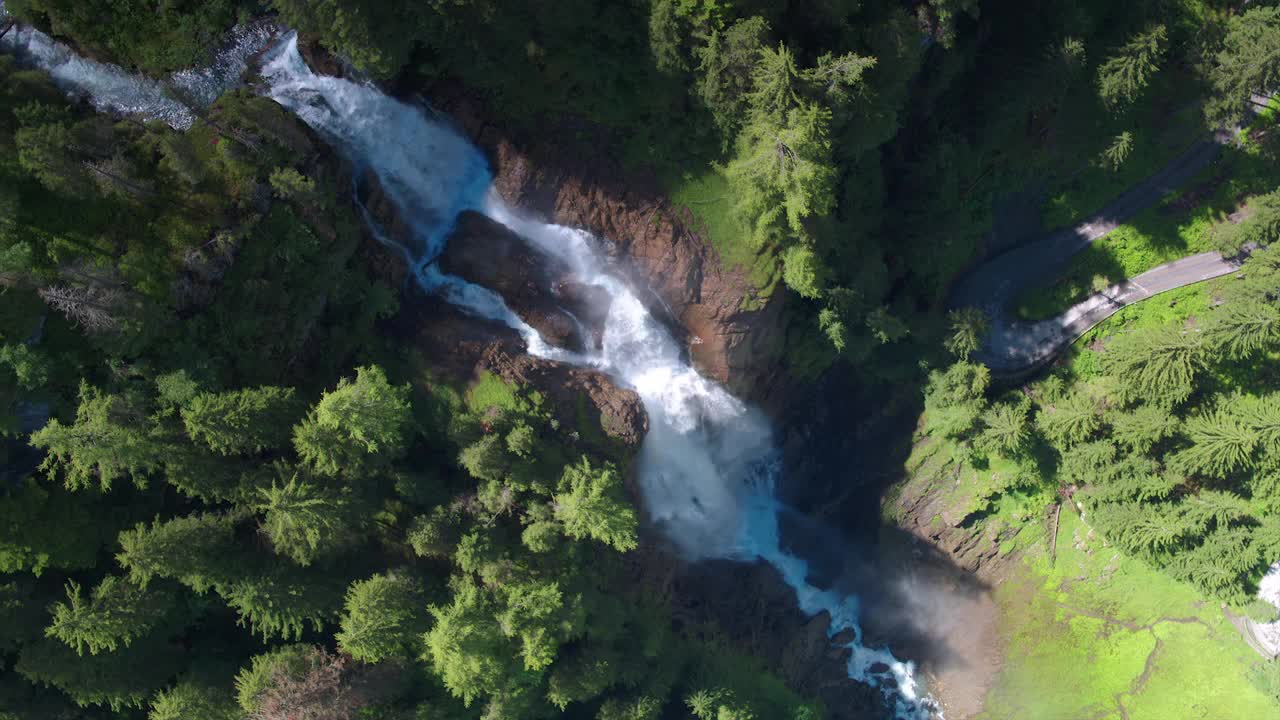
x=282, y=600
x=1243, y=328
x=197, y=550
x=1006, y=429
x=109, y=440
x=242, y=421
x=591, y=504
x=726, y=64
x=469, y=651
x=189, y=700
x=116, y=613
x=1123, y=76
x=1072, y=420
x=303, y=519
x=968, y=331
x=360, y=421
x=1143, y=427
x=1118, y=151
x=1159, y=366
x=776, y=84
x=384, y=618
x=1247, y=64
x=1221, y=444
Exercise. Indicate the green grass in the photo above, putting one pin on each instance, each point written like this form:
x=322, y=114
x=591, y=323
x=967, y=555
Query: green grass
x=1176, y=305
x=1096, y=631
x=707, y=196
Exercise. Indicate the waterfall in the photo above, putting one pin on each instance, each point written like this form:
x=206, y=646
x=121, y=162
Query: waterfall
x=708, y=466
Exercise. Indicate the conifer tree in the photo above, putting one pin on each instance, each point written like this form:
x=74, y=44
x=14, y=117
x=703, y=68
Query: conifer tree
x=1159, y=366
x=303, y=519
x=1125, y=74
x=591, y=504
x=1072, y=420
x=242, y=421
x=197, y=550
x=1221, y=444
x=385, y=617
x=116, y=613
x=1247, y=64
x=109, y=440
x=362, y=421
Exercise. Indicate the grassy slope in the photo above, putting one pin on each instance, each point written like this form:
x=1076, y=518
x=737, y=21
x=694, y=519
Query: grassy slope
x=1096, y=631
x=707, y=197
x=1108, y=629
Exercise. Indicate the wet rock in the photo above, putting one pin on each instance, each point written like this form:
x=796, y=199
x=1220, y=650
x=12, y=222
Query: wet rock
x=486, y=253
x=581, y=399
x=593, y=412
x=588, y=303
x=732, y=335
x=755, y=611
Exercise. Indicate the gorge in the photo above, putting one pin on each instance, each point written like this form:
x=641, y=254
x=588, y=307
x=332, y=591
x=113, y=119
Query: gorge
x=707, y=467
x=434, y=389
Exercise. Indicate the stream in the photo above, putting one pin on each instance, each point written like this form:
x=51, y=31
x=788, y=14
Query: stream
x=708, y=467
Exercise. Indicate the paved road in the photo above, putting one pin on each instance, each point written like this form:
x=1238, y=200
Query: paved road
x=1014, y=346
x=1024, y=345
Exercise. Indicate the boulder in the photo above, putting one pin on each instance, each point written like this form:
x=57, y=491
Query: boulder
x=733, y=336
x=488, y=254
x=596, y=413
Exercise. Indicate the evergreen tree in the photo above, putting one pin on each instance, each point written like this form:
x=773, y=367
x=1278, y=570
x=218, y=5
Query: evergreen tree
x=968, y=331
x=303, y=519
x=109, y=440
x=243, y=421
x=1159, y=366
x=1143, y=427
x=1221, y=444
x=1072, y=420
x=591, y=504
x=1124, y=75
x=360, y=421
x=1244, y=328
x=469, y=651
x=1006, y=429
x=116, y=613
x=726, y=65
x=954, y=399
x=197, y=550
x=384, y=618
x=1247, y=64
x=189, y=700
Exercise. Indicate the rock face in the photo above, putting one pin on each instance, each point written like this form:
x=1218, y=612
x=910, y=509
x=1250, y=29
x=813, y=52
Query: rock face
x=655, y=243
x=488, y=254
x=460, y=347
x=753, y=610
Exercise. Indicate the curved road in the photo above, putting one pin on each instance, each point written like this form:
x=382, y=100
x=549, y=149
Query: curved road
x=1016, y=346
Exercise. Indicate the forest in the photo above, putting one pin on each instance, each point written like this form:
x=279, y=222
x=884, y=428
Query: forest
x=228, y=490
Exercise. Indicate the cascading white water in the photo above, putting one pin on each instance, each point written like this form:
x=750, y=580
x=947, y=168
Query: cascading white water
x=115, y=90
x=708, y=465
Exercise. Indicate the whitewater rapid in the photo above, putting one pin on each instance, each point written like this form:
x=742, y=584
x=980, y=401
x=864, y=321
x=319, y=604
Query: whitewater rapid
x=708, y=467
x=112, y=89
